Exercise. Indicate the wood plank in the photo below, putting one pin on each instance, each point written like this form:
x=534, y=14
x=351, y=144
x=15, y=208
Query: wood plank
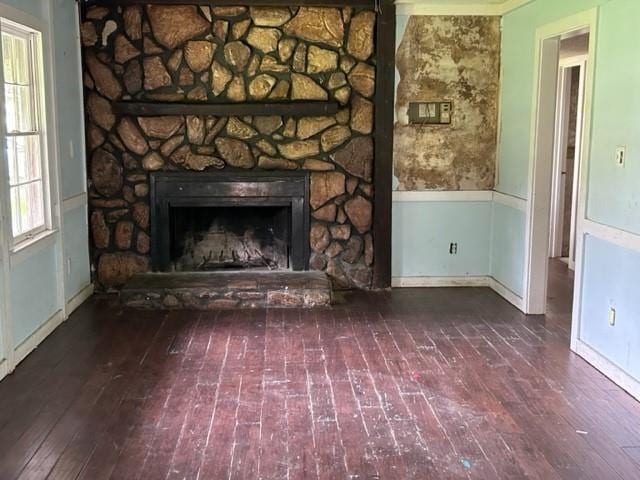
x=98, y=398
x=378, y=386
x=291, y=109
x=34, y=415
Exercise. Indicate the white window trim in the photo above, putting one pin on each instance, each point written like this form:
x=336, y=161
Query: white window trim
x=32, y=245
x=36, y=47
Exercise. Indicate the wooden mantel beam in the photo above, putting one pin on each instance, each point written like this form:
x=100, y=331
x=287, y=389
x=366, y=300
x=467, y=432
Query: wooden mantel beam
x=290, y=109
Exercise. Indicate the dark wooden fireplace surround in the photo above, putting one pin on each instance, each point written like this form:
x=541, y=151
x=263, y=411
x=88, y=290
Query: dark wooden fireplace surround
x=229, y=189
x=384, y=108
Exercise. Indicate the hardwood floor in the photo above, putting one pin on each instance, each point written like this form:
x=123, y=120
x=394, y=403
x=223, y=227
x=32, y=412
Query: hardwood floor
x=417, y=383
x=560, y=290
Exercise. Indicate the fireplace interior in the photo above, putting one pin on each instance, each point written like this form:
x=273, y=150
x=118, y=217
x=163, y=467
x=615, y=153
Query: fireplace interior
x=215, y=238
x=230, y=220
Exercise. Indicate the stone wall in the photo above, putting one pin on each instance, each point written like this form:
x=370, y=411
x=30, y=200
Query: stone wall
x=451, y=59
x=230, y=54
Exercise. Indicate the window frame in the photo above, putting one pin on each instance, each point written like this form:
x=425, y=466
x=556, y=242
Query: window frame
x=38, y=91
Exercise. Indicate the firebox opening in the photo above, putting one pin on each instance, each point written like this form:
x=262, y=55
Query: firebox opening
x=214, y=238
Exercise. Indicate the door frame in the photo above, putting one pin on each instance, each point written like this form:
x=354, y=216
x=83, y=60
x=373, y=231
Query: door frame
x=541, y=151
x=560, y=160
x=578, y=162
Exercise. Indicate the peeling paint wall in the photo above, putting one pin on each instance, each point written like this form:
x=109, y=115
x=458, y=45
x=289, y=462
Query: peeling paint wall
x=457, y=59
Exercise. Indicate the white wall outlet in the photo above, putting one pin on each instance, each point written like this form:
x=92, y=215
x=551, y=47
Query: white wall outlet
x=621, y=155
x=612, y=316
x=72, y=149
x=68, y=266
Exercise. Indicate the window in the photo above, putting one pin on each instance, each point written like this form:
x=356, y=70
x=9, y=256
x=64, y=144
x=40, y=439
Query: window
x=24, y=147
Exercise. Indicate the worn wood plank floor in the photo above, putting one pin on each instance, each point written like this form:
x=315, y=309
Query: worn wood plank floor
x=437, y=383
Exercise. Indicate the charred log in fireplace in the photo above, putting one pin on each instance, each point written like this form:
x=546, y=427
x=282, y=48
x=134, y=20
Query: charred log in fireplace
x=212, y=238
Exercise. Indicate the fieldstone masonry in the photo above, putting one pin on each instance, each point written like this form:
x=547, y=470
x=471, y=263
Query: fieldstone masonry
x=160, y=53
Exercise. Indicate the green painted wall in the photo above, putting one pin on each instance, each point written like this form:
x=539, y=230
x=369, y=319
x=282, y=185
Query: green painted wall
x=611, y=273
x=29, y=311
x=3, y=349
x=423, y=231
x=68, y=90
x=518, y=50
x=41, y=272
x=507, y=246
x=611, y=277
x=614, y=192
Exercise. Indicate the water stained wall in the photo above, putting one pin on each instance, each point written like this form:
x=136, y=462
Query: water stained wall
x=457, y=59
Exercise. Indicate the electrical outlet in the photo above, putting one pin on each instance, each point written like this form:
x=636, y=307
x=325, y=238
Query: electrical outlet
x=69, y=266
x=621, y=155
x=453, y=248
x=612, y=316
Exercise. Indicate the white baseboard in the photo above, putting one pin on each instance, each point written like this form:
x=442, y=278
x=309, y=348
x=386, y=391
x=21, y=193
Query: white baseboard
x=507, y=294
x=79, y=298
x=609, y=369
x=31, y=343
x=477, y=281
x=4, y=368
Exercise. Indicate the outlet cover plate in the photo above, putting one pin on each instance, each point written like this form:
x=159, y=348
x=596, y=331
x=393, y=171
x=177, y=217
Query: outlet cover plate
x=621, y=155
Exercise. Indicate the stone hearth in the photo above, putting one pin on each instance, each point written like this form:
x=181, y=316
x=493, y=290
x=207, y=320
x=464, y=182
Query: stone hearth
x=224, y=290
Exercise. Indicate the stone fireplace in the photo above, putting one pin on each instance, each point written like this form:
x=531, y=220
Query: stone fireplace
x=251, y=62
x=229, y=220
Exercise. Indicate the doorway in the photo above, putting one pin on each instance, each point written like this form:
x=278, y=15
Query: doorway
x=572, y=65
x=558, y=156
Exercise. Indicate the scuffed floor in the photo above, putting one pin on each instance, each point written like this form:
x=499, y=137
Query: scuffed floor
x=438, y=383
